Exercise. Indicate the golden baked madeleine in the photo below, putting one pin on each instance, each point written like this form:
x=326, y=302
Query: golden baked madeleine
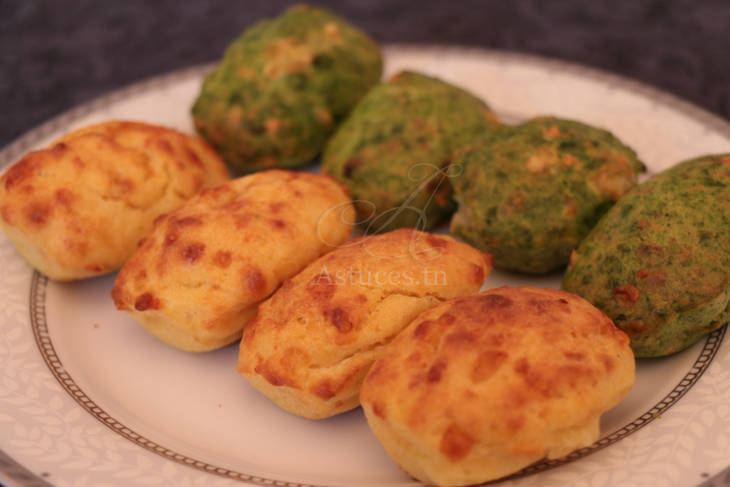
x=78, y=208
x=199, y=276
x=314, y=340
x=482, y=386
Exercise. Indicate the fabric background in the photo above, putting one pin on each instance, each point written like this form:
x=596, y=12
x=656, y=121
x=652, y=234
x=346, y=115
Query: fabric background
x=56, y=54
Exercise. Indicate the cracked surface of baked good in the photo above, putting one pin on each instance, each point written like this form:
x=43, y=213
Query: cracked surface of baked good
x=199, y=276
x=481, y=386
x=78, y=208
x=314, y=340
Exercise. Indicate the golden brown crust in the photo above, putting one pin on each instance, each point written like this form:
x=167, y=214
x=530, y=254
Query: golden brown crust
x=312, y=342
x=482, y=386
x=78, y=208
x=199, y=275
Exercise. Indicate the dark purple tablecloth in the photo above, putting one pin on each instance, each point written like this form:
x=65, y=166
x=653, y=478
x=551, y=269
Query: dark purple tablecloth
x=55, y=54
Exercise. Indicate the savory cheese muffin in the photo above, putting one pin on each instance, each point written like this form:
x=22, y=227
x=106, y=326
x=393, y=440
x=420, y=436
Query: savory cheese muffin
x=394, y=150
x=481, y=386
x=202, y=271
x=283, y=86
x=78, y=208
x=658, y=263
x=314, y=340
x=529, y=193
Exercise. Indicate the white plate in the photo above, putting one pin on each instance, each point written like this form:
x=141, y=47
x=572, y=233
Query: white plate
x=87, y=397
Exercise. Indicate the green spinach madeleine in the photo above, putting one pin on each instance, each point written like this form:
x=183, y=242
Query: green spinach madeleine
x=282, y=87
x=529, y=194
x=658, y=263
x=394, y=149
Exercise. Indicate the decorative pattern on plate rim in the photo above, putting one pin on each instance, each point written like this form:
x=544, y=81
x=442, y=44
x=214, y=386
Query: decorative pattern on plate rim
x=45, y=345
x=21, y=145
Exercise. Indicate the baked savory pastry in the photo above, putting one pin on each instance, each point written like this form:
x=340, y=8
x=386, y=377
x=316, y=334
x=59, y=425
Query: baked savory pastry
x=658, y=263
x=314, y=340
x=202, y=271
x=78, y=208
x=531, y=193
x=479, y=387
x=394, y=149
x=282, y=87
